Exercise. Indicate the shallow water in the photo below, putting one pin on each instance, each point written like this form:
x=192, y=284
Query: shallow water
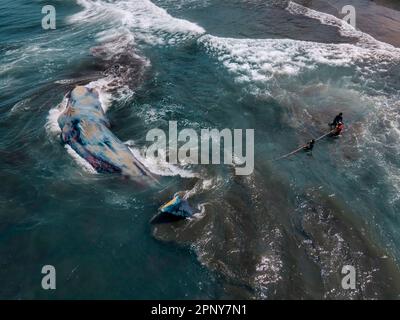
x=273, y=66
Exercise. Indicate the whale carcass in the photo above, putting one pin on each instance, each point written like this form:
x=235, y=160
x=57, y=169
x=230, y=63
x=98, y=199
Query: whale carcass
x=85, y=128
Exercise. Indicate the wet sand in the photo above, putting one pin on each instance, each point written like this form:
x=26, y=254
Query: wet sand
x=379, y=18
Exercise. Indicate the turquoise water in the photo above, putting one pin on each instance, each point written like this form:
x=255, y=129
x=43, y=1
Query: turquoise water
x=283, y=232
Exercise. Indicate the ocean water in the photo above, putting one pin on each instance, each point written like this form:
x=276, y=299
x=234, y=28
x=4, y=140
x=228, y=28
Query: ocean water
x=282, y=68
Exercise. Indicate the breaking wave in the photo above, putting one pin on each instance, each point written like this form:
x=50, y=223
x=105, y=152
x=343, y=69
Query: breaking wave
x=150, y=23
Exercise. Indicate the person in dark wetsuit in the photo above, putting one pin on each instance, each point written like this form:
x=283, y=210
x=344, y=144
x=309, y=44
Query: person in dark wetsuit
x=309, y=146
x=338, y=119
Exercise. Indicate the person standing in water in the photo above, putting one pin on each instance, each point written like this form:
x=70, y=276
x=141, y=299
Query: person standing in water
x=309, y=146
x=338, y=119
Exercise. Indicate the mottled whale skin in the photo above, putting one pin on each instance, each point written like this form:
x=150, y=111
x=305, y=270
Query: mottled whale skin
x=85, y=128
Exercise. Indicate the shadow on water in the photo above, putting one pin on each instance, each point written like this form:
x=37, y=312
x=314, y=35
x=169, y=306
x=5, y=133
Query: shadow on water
x=162, y=218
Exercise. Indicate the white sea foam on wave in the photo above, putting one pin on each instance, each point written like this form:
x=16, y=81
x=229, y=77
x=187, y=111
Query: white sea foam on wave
x=22, y=105
x=253, y=61
x=149, y=22
x=363, y=39
x=192, y=4
x=52, y=125
x=381, y=136
x=102, y=87
x=115, y=40
x=35, y=56
x=161, y=168
x=260, y=61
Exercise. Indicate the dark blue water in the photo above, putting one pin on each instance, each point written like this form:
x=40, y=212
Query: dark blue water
x=283, y=232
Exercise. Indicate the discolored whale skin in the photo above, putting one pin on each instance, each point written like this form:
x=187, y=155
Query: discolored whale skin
x=85, y=128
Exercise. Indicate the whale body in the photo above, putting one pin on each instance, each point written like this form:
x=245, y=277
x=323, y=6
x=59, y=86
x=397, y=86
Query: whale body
x=85, y=128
